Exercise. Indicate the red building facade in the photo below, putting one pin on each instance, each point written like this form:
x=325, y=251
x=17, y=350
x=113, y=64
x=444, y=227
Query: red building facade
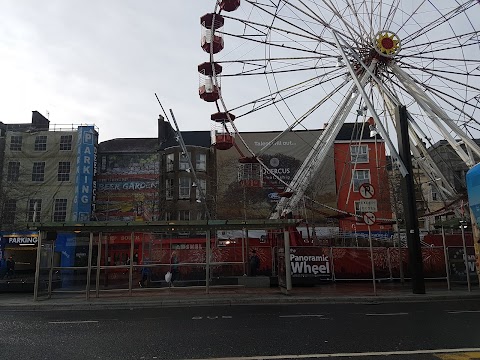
x=361, y=159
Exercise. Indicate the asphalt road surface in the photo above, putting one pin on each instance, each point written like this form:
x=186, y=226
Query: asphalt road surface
x=346, y=331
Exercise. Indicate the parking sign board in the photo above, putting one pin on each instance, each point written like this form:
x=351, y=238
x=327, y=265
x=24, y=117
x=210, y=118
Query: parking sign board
x=367, y=205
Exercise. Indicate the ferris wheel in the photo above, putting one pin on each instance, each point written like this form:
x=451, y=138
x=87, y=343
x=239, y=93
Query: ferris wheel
x=297, y=64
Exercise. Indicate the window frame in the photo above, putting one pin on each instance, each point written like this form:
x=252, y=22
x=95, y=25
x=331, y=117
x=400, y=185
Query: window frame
x=202, y=183
x=65, y=174
x=356, y=184
x=10, y=211
x=37, y=173
x=16, y=145
x=67, y=144
x=40, y=143
x=170, y=162
x=169, y=189
x=183, y=163
x=184, y=212
x=60, y=210
x=201, y=162
x=31, y=210
x=356, y=157
x=183, y=187
x=12, y=173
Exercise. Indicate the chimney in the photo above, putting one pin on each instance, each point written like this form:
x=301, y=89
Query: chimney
x=161, y=130
x=39, y=122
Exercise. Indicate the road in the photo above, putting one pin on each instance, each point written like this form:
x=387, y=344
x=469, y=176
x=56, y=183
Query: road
x=371, y=331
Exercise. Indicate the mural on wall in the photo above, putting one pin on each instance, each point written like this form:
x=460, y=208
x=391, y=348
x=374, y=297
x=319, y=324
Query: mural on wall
x=128, y=187
x=283, y=159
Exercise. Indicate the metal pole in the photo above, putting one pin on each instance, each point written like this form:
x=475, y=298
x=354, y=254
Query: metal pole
x=445, y=254
x=400, y=255
x=37, y=267
x=130, y=270
x=415, y=259
x=389, y=259
x=99, y=256
x=332, y=266
x=243, y=252
x=288, y=268
x=465, y=257
x=50, y=272
x=371, y=259
x=207, y=263
x=89, y=269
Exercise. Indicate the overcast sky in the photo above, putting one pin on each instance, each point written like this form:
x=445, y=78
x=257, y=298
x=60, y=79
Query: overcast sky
x=100, y=62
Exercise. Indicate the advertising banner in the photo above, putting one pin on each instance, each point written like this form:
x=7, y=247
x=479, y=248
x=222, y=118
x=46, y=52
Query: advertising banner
x=128, y=187
x=456, y=263
x=310, y=262
x=85, y=189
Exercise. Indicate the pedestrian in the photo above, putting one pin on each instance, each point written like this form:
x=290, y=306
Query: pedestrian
x=10, y=268
x=254, y=263
x=146, y=272
x=173, y=267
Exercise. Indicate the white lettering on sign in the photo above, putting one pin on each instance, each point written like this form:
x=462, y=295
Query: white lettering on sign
x=302, y=265
x=367, y=205
x=23, y=240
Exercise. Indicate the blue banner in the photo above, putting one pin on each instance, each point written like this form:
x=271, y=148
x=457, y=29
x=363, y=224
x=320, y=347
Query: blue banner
x=473, y=189
x=86, y=168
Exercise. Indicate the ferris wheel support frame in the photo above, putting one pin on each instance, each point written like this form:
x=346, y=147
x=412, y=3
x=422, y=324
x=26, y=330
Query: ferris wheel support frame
x=435, y=113
x=318, y=154
x=419, y=150
x=380, y=128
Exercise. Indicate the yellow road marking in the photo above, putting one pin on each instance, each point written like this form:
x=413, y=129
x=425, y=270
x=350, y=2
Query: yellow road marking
x=460, y=356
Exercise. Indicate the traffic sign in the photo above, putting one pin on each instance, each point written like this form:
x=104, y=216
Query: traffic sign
x=366, y=190
x=367, y=205
x=369, y=218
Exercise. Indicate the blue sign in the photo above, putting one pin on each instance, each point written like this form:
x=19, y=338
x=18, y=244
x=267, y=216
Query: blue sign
x=86, y=168
x=473, y=190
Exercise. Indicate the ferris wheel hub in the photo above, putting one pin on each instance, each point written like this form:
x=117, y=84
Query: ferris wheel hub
x=386, y=43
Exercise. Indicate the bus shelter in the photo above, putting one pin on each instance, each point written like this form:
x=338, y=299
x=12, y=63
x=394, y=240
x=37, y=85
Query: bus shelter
x=95, y=256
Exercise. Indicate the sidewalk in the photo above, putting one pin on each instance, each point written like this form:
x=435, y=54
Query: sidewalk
x=196, y=296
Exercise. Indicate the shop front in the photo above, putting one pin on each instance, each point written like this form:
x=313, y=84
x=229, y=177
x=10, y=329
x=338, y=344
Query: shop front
x=20, y=249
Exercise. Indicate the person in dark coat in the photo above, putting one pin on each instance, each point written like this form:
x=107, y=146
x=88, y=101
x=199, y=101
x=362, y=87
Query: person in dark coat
x=254, y=263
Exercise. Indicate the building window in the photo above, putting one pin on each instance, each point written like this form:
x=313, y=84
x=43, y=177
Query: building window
x=359, y=153
x=170, y=158
x=168, y=216
x=9, y=210
x=360, y=177
x=40, y=143
x=63, y=171
x=184, y=188
x=202, y=184
x=60, y=210
x=201, y=162
x=38, y=172
x=169, y=185
x=16, y=143
x=434, y=194
x=201, y=215
x=13, y=171
x=183, y=163
x=34, y=210
x=184, y=215
x=66, y=142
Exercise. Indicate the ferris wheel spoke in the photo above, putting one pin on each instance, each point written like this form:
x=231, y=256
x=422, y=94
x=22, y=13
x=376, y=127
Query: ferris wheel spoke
x=283, y=19
x=463, y=84
x=277, y=96
x=258, y=27
x=459, y=38
x=433, y=71
x=452, y=47
x=286, y=69
x=442, y=19
x=302, y=118
x=436, y=113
